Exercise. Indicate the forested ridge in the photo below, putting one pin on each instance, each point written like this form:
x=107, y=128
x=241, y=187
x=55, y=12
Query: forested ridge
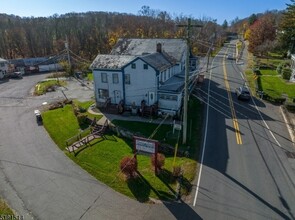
x=92, y=33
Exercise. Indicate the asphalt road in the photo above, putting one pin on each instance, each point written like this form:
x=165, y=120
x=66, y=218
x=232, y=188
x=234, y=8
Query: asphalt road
x=245, y=172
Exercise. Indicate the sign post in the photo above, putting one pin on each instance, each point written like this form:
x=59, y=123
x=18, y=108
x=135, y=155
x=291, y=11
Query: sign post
x=147, y=146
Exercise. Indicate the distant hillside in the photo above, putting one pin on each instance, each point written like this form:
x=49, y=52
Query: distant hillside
x=90, y=33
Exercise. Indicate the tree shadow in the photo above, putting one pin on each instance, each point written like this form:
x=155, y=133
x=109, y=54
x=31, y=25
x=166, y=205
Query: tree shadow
x=167, y=178
x=276, y=210
x=140, y=188
x=181, y=210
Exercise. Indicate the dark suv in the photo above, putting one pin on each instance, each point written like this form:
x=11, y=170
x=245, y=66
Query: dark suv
x=243, y=93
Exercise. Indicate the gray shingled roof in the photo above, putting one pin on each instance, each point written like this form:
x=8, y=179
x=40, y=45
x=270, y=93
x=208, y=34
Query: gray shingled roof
x=114, y=62
x=139, y=47
x=3, y=60
x=157, y=60
x=174, y=84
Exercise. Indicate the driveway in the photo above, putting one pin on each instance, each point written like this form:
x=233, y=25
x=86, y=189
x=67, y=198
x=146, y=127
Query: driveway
x=40, y=182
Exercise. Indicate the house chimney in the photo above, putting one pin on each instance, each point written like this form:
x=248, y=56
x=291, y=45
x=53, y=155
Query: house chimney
x=159, y=47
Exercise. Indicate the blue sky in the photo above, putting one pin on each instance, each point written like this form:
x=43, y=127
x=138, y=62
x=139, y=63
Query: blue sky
x=215, y=9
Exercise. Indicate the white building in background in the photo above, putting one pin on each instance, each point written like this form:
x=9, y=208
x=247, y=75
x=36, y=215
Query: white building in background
x=137, y=70
x=3, y=68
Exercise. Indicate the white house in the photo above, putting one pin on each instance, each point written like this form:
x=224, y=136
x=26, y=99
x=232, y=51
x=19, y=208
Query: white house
x=137, y=70
x=3, y=67
x=292, y=78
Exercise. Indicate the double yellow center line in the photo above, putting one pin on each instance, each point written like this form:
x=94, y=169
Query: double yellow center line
x=235, y=120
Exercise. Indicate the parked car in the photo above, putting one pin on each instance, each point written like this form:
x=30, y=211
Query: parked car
x=17, y=75
x=230, y=57
x=242, y=92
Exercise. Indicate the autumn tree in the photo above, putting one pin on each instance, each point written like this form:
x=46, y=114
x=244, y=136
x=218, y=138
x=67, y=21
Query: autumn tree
x=287, y=28
x=95, y=33
x=262, y=30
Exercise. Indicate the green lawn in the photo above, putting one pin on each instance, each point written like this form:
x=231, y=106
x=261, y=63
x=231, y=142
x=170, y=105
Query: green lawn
x=103, y=158
x=5, y=210
x=146, y=129
x=86, y=105
x=270, y=81
x=276, y=86
x=61, y=124
x=268, y=72
x=271, y=62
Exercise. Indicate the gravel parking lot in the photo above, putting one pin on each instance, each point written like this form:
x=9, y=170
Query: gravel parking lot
x=74, y=89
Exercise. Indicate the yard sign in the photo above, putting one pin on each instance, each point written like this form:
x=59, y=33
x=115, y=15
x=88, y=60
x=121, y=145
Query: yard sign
x=147, y=146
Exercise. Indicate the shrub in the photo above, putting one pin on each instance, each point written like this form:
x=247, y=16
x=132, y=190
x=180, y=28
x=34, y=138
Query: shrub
x=290, y=107
x=286, y=73
x=160, y=161
x=75, y=109
x=176, y=171
x=78, y=109
x=280, y=68
x=82, y=118
x=257, y=72
x=128, y=166
x=82, y=110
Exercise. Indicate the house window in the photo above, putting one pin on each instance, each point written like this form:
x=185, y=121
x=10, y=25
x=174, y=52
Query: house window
x=145, y=66
x=174, y=97
x=103, y=93
x=104, y=78
x=168, y=97
x=115, y=78
x=133, y=65
x=127, y=78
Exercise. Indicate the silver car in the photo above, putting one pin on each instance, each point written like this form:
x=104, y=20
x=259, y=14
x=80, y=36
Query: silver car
x=243, y=93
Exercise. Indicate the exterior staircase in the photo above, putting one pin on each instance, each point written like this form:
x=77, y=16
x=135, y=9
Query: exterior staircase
x=96, y=133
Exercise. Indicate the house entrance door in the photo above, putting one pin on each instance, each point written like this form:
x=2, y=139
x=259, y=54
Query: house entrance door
x=117, y=96
x=151, y=99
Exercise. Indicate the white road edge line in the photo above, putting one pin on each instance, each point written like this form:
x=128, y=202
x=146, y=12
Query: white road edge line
x=205, y=137
x=264, y=122
x=288, y=126
x=242, y=76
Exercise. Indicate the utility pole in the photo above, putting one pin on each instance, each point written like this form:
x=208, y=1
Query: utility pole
x=186, y=78
x=68, y=53
x=212, y=38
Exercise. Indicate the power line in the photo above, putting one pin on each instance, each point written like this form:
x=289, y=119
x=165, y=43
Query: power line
x=185, y=102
